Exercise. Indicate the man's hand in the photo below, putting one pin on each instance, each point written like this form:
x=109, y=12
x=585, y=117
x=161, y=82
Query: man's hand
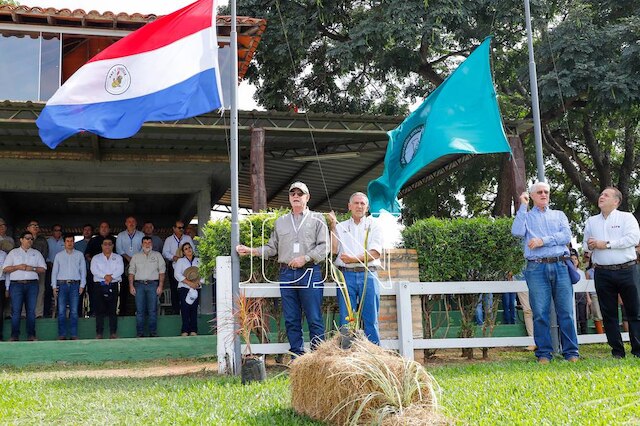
x=159, y=290
x=593, y=244
x=55, y=292
x=297, y=262
x=80, y=291
x=535, y=243
x=524, y=199
x=6, y=294
x=244, y=250
x=346, y=258
x=132, y=290
x=108, y=279
x=332, y=219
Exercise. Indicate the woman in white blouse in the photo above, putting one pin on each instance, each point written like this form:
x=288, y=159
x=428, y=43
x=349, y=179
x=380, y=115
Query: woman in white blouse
x=189, y=311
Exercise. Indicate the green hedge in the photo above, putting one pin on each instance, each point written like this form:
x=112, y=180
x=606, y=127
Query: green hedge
x=475, y=249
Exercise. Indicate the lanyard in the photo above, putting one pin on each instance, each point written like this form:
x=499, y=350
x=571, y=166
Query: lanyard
x=293, y=224
x=131, y=237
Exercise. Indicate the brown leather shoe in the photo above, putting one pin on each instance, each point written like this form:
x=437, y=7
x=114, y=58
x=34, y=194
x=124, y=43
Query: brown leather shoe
x=32, y=339
x=543, y=360
x=62, y=338
x=573, y=359
x=98, y=336
x=113, y=336
x=13, y=339
x=74, y=337
x=184, y=334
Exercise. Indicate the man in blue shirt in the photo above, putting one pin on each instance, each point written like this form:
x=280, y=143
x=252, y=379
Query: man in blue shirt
x=546, y=234
x=68, y=280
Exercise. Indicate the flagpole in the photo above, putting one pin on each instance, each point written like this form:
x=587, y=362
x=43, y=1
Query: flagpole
x=235, y=229
x=537, y=133
x=533, y=81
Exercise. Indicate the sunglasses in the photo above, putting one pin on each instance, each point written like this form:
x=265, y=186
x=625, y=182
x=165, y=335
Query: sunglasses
x=179, y=227
x=542, y=191
x=298, y=193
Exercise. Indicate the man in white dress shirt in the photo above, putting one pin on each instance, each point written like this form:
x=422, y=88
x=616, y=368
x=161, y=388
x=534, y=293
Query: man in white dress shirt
x=68, y=280
x=23, y=264
x=107, y=269
x=612, y=236
x=355, y=240
x=169, y=252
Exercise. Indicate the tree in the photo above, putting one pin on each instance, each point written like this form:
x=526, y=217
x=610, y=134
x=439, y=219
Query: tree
x=380, y=56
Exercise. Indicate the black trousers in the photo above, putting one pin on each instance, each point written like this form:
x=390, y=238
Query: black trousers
x=581, y=313
x=173, y=284
x=106, y=306
x=608, y=285
x=2, y=312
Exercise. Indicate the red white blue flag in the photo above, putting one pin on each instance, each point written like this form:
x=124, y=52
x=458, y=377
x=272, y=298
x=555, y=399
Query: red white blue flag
x=166, y=70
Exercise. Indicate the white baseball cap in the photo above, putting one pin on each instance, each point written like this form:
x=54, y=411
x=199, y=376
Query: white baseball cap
x=299, y=185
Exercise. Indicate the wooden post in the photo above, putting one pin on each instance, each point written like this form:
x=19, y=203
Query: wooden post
x=258, y=188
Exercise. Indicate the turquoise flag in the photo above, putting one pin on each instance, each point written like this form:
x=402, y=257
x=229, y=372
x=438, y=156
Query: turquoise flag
x=460, y=117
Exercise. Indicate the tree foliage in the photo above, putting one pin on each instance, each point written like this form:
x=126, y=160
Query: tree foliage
x=381, y=56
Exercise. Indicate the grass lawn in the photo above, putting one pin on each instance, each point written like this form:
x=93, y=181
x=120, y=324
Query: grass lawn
x=508, y=389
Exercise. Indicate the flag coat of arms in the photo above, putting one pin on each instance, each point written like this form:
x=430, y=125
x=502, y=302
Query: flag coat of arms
x=166, y=70
x=460, y=117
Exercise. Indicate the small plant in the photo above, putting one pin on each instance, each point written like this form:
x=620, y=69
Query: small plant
x=250, y=317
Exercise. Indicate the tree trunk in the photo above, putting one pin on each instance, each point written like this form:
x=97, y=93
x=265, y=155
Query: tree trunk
x=258, y=188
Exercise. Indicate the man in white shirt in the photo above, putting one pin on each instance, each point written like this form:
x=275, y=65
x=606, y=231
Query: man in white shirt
x=169, y=252
x=107, y=269
x=146, y=282
x=23, y=264
x=355, y=240
x=612, y=236
x=68, y=280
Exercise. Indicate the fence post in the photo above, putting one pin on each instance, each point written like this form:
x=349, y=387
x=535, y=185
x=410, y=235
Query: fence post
x=405, y=322
x=224, y=308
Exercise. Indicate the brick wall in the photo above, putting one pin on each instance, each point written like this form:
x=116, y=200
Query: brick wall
x=402, y=266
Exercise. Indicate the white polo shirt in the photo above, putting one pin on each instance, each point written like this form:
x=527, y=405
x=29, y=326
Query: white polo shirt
x=351, y=240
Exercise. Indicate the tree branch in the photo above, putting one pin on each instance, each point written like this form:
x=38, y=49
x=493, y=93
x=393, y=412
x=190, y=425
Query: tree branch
x=626, y=168
x=600, y=160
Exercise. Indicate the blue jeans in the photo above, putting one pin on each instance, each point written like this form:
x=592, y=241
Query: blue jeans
x=371, y=301
x=508, y=308
x=27, y=294
x=146, y=303
x=297, y=300
x=547, y=282
x=68, y=294
x=485, y=302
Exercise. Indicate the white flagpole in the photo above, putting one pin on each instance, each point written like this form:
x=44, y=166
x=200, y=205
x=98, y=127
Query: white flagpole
x=235, y=229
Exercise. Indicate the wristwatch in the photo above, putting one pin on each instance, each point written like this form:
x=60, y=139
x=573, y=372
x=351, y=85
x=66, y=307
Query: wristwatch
x=307, y=258
x=608, y=245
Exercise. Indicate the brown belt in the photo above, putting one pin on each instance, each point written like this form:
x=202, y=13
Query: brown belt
x=617, y=267
x=549, y=259
x=305, y=266
x=358, y=269
x=23, y=281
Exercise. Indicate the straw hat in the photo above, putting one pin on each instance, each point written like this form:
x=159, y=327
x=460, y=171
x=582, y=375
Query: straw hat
x=192, y=273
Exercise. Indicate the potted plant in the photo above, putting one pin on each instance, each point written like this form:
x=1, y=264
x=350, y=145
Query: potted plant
x=250, y=318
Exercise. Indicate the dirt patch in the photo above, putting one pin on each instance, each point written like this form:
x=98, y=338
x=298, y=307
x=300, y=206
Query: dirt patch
x=169, y=369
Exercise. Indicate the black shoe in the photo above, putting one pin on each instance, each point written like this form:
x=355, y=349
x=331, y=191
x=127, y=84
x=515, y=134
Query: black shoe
x=140, y=335
x=153, y=335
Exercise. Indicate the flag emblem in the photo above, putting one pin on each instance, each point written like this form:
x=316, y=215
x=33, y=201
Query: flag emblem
x=118, y=80
x=411, y=144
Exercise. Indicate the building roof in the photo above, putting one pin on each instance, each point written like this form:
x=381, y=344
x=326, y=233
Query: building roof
x=249, y=30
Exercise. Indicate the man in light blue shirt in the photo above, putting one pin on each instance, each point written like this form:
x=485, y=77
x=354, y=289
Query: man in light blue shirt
x=55, y=244
x=128, y=243
x=546, y=234
x=68, y=280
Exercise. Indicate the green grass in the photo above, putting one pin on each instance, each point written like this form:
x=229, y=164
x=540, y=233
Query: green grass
x=509, y=389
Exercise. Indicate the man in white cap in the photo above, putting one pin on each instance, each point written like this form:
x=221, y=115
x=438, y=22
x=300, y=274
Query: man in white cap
x=299, y=239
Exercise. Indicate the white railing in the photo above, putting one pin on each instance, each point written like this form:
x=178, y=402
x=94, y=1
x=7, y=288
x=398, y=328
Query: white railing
x=405, y=343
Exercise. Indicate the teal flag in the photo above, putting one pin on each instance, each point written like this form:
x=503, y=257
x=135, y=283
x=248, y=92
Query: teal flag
x=460, y=117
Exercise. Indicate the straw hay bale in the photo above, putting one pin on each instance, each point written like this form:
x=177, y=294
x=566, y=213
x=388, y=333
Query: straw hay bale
x=362, y=385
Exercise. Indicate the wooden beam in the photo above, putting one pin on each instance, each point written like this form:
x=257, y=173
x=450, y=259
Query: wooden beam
x=258, y=186
x=95, y=146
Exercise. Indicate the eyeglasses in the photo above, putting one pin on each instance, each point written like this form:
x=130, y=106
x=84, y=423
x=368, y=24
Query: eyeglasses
x=179, y=227
x=107, y=243
x=28, y=238
x=298, y=193
x=542, y=191
x=35, y=225
x=57, y=230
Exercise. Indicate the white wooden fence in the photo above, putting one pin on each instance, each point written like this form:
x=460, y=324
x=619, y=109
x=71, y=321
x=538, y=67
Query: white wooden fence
x=405, y=343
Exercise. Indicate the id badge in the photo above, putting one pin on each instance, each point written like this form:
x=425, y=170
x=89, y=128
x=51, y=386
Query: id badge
x=296, y=248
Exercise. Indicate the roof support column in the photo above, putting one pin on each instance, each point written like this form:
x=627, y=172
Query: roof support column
x=258, y=186
x=204, y=214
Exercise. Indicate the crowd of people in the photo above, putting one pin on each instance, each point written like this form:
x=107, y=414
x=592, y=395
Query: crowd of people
x=91, y=274
x=59, y=276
